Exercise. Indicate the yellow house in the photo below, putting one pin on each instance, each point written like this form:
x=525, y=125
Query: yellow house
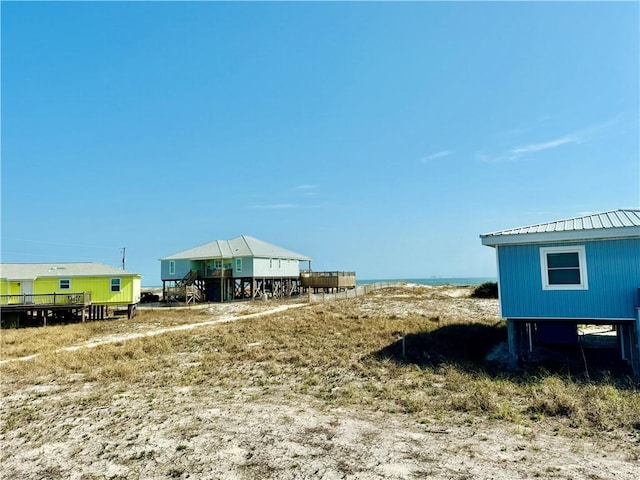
x=26, y=282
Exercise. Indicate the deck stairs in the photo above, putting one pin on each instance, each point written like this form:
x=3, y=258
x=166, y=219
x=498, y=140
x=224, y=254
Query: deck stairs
x=189, y=279
x=191, y=287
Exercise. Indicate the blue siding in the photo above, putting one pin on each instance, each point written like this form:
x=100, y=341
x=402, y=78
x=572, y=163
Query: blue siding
x=613, y=270
x=182, y=268
x=247, y=267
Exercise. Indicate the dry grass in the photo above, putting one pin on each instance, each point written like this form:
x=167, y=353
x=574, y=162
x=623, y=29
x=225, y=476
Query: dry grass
x=320, y=391
x=16, y=343
x=342, y=354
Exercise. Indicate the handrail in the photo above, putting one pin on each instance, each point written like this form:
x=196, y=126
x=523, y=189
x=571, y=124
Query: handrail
x=306, y=273
x=72, y=298
x=217, y=273
x=189, y=278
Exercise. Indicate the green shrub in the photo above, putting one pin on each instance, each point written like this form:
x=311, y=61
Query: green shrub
x=486, y=290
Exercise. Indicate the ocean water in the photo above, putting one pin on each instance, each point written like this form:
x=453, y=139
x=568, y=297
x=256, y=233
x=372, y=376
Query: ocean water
x=432, y=280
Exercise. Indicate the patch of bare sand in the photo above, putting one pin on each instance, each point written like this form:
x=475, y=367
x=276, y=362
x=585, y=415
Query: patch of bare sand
x=189, y=433
x=442, y=302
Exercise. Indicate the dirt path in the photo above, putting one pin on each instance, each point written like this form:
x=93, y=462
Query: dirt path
x=225, y=318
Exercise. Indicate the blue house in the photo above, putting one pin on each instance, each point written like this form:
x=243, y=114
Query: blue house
x=222, y=270
x=555, y=276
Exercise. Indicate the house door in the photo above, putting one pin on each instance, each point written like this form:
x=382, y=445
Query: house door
x=26, y=290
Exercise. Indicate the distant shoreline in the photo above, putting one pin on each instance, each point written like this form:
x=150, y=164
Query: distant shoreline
x=458, y=281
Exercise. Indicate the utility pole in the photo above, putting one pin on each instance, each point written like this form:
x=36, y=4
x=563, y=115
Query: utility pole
x=123, y=257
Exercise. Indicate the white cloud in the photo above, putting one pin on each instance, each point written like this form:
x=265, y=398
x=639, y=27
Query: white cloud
x=521, y=151
x=539, y=147
x=435, y=156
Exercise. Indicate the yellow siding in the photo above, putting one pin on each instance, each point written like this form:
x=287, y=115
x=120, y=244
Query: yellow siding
x=99, y=287
x=8, y=287
x=4, y=286
x=14, y=288
x=4, y=290
x=136, y=289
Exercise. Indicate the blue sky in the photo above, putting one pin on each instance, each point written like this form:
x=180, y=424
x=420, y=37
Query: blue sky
x=376, y=137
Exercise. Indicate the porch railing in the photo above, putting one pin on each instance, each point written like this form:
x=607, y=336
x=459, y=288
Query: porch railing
x=331, y=279
x=80, y=298
x=307, y=273
x=217, y=273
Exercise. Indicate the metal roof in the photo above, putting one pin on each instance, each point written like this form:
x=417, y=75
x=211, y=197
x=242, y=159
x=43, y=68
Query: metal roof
x=28, y=271
x=243, y=246
x=612, y=224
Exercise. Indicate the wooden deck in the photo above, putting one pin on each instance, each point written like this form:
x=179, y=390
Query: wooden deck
x=328, y=280
x=40, y=309
x=23, y=302
x=216, y=273
x=221, y=285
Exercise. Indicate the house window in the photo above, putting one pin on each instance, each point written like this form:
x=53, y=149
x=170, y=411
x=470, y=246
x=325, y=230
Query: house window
x=564, y=268
x=172, y=267
x=238, y=264
x=279, y=263
x=271, y=263
x=64, y=284
x=217, y=264
x=115, y=284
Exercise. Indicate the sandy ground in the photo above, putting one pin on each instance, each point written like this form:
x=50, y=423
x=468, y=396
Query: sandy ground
x=177, y=435
x=189, y=432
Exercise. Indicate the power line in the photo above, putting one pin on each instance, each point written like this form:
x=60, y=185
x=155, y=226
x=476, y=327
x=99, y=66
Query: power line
x=42, y=255
x=58, y=244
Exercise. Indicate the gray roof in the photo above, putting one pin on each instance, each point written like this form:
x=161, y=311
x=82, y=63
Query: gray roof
x=243, y=246
x=612, y=224
x=27, y=271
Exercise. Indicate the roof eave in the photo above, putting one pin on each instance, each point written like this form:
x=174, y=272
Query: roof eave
x=205, y=257
x=300, y=258
x=72, y=275
x=493, y=240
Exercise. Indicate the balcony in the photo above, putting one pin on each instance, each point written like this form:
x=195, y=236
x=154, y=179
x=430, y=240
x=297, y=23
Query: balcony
x=46, y=300
x=216, y=273
x=328, y=279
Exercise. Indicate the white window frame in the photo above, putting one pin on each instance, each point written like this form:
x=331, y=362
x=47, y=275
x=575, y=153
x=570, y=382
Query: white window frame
x=271, y=263
x=582, y=266
x=111, y=285
x=67, y=282
x=172, y=267
x=217, y=264
x=238, y=265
